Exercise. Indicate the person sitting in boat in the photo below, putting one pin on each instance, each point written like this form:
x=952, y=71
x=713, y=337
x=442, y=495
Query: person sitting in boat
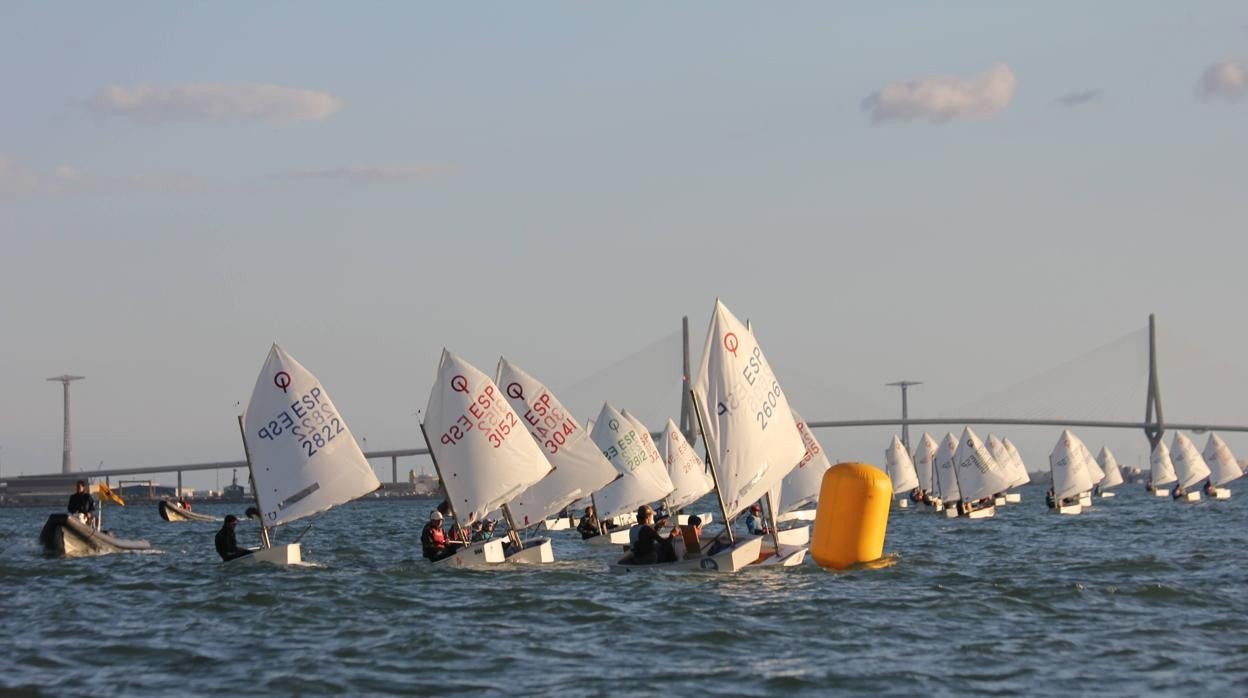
x=1178, y=492
x=81, y=505
x=1210, y=490
x=1050, y=499
x=588, y=527
x=482, y=529
x=1149, y=486
x=434, y=543
x=184, y=503
x=646, y=547
x=754, y=521
x=692, y=534
x=227, y=544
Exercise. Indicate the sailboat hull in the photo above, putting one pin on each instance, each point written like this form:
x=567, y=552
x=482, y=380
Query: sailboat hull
x=794, y=536
x=535, y=551
x=171, y=512
x=1013, y=497
x=903, y=503
x=480, y=554
x=744, y=553
x=1193, y=496
x=1161, y=492
x=1069, y=509
x=65, y=535
x=289, y=554
x=951, y=512
x=985, y=513
x=999, y=501
x=1221, y=493
x=1085, y=499
x=1108, y=495
x=799, y=515
x=617, y=536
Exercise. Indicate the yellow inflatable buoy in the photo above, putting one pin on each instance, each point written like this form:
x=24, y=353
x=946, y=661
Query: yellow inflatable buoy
x=852, y=516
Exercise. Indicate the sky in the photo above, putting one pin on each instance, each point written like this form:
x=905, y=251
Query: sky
x=967, y=194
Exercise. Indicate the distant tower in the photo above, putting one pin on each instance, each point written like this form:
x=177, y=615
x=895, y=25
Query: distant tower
x=905, y=410
x=67, y=454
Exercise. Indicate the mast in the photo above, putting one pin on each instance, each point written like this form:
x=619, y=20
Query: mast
x=686, y=419
x=710, y=459
x=1157, y=430
x=264, y=527
x=442, y=483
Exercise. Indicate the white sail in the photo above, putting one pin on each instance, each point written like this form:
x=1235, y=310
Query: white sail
x=1019, y=466
x=579, y=466
x=801, y=486
x=1189, y=466
x=304, y=459
x=1109, y=464
x=946, y=475
x=690, y=477
x=484, y=453
x=1070, y=473
x=924, y=461
x=1221, y=461
x=1001, y=454
x=1161, y=469
x=979, y=474
x=900, y=467
x=1095, y=474
x=748, y=421
x=645, y=479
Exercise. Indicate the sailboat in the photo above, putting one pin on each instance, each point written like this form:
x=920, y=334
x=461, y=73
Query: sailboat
x=1095, y=474
x=484, y=458
x=1013, y=467
x=1223, y=465
x=690, y=479
x=1113, y=473
x=643, y=475
x=1189, y=467
x=924, y=459
x=751, y=436
x=1160, y=470
x=171, y=510
x=302, y=457
x=1020, y=468
x=901, y=471
x=980, y=476
x=947, y=476
x=69, y=535
x=1071, y=477
x=801, y=486
x=579, y=468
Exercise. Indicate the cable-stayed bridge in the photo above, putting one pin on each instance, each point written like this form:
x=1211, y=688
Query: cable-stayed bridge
x=1114, y=386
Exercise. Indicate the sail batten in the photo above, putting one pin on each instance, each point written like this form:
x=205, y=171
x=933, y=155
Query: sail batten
x=304, y=458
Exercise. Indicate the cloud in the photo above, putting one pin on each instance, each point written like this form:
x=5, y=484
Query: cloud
x=1226, y=79
x=370, y=173
x=216, y=102
x=1080, y=98
x=17, y=179
x=942, y=98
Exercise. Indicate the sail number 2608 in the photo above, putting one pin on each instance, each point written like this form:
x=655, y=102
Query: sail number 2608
x=767, y=407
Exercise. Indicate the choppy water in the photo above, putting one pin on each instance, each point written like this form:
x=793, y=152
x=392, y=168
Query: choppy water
x=1138, y=596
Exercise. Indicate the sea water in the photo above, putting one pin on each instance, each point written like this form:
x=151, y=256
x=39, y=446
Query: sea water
x=1139, y=595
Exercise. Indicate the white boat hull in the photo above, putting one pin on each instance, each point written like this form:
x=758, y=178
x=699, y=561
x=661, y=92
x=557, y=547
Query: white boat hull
x=1013, y=497
x=616, y=536
x=999, y=501
x=1069, y=509
x=1221, y=493
x=745, y=552
x=793, y=536
x=289, y=554
x=1085, y=499
x=985, y=513
x=903, y=503
x=170, y=511
x=535, y=551
x=1193, y=496
x=1108, y=495
x=1161, y=492
x=479, y=554
x=951, y=512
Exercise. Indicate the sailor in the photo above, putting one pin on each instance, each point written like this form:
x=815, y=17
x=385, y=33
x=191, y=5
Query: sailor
x=184, y=503
x=80, y=503
x=1178, y=492
x=434, y=543
x=227, y=545
x=1210, y=490
x=646, y=547
x=588, y=527
x=1050, y=499
x=692, y=533
x=754, y=522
